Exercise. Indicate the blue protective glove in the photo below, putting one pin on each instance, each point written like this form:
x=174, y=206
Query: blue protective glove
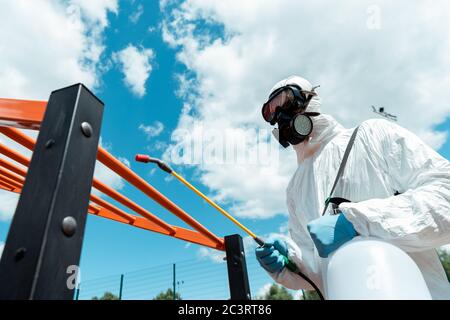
x=330, y=232
x=270, y=256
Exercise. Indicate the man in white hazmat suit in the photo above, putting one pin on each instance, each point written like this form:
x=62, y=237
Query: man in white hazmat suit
x=398, y=186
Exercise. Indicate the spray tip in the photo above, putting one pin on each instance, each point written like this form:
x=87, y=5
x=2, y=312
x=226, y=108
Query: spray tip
x=142, y=158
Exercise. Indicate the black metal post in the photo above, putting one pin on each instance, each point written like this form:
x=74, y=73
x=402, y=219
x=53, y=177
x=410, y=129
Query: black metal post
x=174, y=282
x=77, y=292
x=121, y=287
x=42, y=250
x=237, y=268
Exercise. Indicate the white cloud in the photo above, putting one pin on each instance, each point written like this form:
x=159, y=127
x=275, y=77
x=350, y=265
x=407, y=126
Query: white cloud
x=215, y=256
x=135, y=16
x=263, y=290
x=136, y=67
x=296, y=295
x=96, y=11
x=152, y=172
x=152, y=130
x=403, y=65
x=446, y=248
x=158, y=145
x=125, y=161
x=106, y=175
x=8, y=205
x=2, y=246
x=46, y=45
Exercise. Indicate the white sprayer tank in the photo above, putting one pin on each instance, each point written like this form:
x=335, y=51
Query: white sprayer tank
x=367, y=268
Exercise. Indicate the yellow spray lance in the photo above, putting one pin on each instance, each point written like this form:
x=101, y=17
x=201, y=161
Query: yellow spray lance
x=163, y=166
x=166, y=168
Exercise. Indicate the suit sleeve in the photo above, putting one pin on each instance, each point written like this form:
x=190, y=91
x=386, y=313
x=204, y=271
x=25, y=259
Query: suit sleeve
x=419, y=218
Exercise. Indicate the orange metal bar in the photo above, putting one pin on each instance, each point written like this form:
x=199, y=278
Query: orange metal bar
x=130, y=204
x=12, y=176
x=22, y=113
x=19, y=137
x=130, y=218
x=19, y=190
x=5, y=186
x=181, y=233
x=93, y=198
x=14, y=185
x=111, y=162
x=9, y=181
x=93, y=209
x=10, y=153
x=13, y=168
x=98, y=185
x=122, y=170
x=109, y=211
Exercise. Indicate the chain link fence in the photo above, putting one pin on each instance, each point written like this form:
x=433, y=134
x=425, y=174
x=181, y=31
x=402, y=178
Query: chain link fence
x=192, y=280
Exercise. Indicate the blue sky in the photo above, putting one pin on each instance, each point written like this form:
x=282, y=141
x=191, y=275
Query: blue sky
x=123, y=114
x=111, y=248
x=227, y=63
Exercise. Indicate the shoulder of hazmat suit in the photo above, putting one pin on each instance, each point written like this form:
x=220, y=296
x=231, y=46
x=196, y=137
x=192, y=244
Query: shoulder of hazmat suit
x=385, y=159
x=418, y=218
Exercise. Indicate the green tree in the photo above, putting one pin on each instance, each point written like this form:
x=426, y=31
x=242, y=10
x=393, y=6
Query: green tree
x=445, y=259
x=277, y=292
x=168, y=295
x=106, y=296
x=309, y=295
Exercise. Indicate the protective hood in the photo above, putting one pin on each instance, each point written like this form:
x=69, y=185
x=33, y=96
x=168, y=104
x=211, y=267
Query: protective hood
x=325, y=127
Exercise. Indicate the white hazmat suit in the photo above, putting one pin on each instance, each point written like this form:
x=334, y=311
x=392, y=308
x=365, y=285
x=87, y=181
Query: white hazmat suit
x=385, y=158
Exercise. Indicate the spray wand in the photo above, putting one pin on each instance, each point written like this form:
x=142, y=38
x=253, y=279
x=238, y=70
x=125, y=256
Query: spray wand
x=163, y=166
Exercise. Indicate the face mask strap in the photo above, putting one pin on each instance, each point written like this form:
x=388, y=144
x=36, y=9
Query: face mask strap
x=304, y=96
x=311, y=114
x=311, y=94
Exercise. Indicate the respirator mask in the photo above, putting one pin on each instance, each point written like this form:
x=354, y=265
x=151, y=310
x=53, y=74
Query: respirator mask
x=286, y=107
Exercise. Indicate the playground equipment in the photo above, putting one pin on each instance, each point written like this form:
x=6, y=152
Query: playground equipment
x=46, y=234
